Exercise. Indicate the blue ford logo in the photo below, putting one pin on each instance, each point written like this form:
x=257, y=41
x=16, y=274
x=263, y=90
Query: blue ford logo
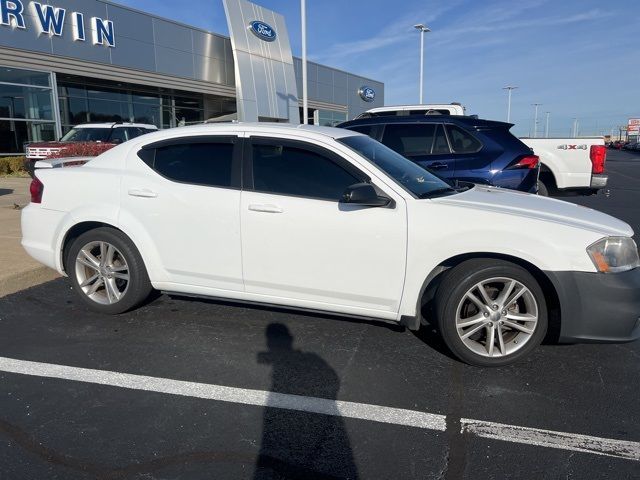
x=262, y=31
x=367, y=94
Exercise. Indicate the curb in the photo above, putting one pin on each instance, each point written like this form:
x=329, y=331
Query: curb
x=28, y=278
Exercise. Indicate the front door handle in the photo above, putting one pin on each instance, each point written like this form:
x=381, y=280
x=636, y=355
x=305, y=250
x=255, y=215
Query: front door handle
x=142, y=192
x=266, y=208
x=438, y=166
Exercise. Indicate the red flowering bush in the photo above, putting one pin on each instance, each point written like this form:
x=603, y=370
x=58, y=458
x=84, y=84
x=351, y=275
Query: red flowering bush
x=89, y=149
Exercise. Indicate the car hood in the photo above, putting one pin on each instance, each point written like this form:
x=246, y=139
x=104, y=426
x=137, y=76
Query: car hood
x=510, y=202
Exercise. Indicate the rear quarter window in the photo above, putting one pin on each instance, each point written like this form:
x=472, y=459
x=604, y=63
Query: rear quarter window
x=462, y=141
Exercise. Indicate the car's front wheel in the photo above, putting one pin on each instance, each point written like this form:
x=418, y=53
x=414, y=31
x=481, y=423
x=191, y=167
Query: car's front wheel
x=107, y=271
x=491, y=312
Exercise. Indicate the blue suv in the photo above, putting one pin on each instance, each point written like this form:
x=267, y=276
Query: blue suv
x=457, y=148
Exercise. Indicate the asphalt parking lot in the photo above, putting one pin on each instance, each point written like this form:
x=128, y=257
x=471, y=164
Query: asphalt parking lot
x=197, y=389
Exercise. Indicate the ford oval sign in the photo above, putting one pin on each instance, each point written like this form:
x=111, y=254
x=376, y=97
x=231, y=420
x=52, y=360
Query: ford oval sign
x=367, y=94
x=262, y=31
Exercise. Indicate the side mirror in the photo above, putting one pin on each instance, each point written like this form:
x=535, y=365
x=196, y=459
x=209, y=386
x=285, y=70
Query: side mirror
x=116, y=141
x=365, y=195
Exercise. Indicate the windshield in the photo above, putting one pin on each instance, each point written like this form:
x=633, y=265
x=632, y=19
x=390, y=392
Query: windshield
x=412, y=177
x=87, y=135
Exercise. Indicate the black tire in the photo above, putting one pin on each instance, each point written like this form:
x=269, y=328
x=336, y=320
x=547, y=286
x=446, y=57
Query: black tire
x=458, y=281
x=543, y=191
x=138, y=287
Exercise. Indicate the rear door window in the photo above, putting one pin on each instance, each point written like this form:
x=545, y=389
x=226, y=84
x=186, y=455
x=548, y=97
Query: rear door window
x=206, y=163
x=409, y=139
x=462, y=141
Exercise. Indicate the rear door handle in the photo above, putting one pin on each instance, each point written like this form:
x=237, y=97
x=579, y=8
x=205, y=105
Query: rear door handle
x=266, y=208
x=143, y=193
x=438, y=166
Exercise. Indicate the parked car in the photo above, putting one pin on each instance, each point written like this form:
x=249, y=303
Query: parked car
x=331, y=220
x=457, y=147
x=635, y=146
x=106, y=134
x=566, y=164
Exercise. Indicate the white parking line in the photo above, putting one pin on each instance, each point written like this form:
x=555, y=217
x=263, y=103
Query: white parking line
x=375, y=413
x=361, y=411
x=552, y=439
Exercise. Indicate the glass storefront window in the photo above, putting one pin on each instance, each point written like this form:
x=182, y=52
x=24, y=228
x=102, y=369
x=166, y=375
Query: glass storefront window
x=24, y=77
x=26, y=109
x=65, y=91
x=15, y=134
x=73, y=111
x=329, y=118
x=89, y=100
x=25, y=102
x=147, y=113
x=112, y=95
x=106, y=111
x=188, y=116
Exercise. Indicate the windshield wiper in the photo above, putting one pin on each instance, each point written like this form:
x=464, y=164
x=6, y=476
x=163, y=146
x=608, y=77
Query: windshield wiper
x=437, y=192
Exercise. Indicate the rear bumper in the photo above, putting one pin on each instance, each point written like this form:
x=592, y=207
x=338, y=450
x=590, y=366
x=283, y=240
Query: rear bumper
x=599, y=308
x=524, y=180
x=599, y=181
x=40, y=229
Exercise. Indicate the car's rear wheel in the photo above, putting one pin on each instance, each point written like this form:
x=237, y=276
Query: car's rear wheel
x=543, y=191
x=107, y=271
x=491, y=312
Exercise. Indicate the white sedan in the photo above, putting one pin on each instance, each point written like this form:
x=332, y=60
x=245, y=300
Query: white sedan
x=330, y=220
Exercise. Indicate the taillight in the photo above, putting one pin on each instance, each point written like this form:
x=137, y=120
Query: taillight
x=529, y=162
x=598, y=156
x=36, y=188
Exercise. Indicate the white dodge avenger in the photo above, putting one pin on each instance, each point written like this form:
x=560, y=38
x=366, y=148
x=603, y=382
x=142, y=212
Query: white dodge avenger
x=330, y=220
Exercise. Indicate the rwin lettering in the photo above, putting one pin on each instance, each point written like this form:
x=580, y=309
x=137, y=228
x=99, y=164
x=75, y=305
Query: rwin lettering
x=50, y=20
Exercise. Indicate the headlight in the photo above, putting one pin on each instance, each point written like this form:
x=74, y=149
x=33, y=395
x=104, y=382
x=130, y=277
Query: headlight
x=614, y=254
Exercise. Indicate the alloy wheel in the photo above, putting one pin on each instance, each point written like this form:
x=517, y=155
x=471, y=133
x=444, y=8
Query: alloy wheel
x=497, y=317
x=102, y=272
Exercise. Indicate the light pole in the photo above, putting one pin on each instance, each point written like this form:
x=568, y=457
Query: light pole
x=546, y=126
x=422, y=29
x=510, y=88
x=535, y=120
x=305, y=96
x=575, y=127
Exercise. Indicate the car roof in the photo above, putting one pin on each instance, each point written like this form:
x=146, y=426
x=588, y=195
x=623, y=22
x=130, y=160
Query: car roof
x=116, y=125
x=400, y=108
x=468, y=121
x=310, y=131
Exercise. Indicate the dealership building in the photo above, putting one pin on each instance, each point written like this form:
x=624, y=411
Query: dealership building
x=66, y=62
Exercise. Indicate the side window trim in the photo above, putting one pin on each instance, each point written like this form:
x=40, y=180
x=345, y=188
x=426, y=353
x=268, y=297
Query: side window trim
x=247, y=163
x=148, y=153
x=446, y=136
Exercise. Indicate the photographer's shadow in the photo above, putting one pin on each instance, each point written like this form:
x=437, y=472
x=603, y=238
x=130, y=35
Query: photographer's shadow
x=298, y=444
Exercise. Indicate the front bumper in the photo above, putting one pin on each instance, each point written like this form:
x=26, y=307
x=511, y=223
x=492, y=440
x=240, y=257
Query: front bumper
x=599, y=181
x=597, y=307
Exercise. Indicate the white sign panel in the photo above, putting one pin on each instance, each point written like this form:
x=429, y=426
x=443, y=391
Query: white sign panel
x=266, y=85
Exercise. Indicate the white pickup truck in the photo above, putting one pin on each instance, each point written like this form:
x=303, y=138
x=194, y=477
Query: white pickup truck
x=566, y=164
x=570, y=163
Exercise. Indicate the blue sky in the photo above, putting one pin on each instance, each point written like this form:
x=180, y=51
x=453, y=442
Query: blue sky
x=579, y=58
